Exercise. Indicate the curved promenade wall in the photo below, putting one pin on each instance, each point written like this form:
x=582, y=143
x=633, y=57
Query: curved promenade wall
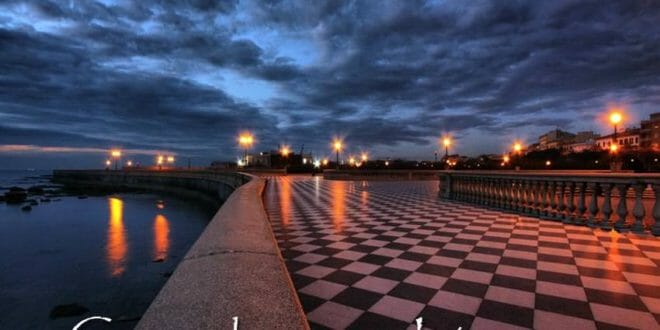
x=233, y=270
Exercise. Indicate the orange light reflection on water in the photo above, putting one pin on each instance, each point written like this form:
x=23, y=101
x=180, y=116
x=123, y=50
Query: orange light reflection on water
x=338, y=195
x=117, y=246
x=161, y=237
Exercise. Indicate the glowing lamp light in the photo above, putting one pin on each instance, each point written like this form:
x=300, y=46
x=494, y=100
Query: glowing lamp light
x=170, y=159
x=614, y=148
x=285, y=151
x=246, y=139
x=517, y=147
x=108, y=162
x=317, y=163
x=337, y=145
x=615, y=117
x=387, y=163
x=325, y=161
x=115, y=153
x=129, y=163
x=364, y=156
x=446, y=142
x=159, y=160
x=351, y=160
x=548, y=163
x=506, y=160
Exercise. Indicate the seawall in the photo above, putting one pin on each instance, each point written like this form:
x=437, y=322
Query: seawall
x=233, y=270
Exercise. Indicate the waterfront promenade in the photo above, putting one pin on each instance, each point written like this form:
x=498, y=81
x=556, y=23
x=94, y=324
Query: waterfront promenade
x=381, y=254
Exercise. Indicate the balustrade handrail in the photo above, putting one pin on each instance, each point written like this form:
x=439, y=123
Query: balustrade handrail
x=563, y=195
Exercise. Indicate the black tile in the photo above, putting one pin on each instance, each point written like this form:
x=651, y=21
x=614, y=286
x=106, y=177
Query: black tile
x=315, y=326
x=487, y=250
x=465, y=287
x=392, y=273
x=615, y=299
x=436, y=270
x=452, y=254
x=413, y=292
x=326, y=251
x=646, y=290
x=357, y=298
x=294, y=266
x=480, y=266
x=414, y=256
x=521, y=247
x=370, y=320
x=398, y=246
x=334, y=262
x=363, y=248
x=563, y=306
x=524, y=263
x=513, y=282
x=438, y=318
x=344, y=277
x=506, y=313
x=434, y=244
x=560, y=278
x=601, y=273
x=375, y=259
x=309, y=303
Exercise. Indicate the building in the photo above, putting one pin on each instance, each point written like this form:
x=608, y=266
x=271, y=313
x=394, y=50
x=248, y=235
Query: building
x=629, y=139
x=649, y=133
x=582, y=141
x=555, y=139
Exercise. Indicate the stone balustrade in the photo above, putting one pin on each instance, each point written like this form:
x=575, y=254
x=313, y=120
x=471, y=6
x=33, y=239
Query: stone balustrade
x=593, y=199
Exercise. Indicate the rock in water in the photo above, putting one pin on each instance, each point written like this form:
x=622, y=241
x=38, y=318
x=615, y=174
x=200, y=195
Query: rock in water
x=67, y=310
x=35, y=190
x=15, y=195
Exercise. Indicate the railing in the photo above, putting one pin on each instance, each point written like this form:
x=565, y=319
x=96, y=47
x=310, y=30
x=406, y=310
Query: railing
x=582, y=198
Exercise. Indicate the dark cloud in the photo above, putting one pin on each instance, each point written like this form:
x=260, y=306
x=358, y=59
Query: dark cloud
x=188, y=75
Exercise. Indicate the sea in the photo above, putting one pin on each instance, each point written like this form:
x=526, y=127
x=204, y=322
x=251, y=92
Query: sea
x=79, y=256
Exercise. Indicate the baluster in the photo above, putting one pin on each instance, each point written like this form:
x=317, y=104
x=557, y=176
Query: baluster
x=581, y=207
x=485, y=192
x=498, y=192
x=537, y=198
x=638, y=209
x=515, y=194
x=606, y=224
x=562, y=205
x=570, y=216
x=593, y=204
x=553, y=201
x=523, y=196
x=544, y=196
x=622, y=209
x=531, y=195
x=656, y=210
x=505, y=193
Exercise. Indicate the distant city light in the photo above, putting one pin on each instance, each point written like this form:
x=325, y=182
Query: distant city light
x=170, y=159
x=506, y=159
x=387, y=163
x=364, y=156
x=305, y=161
x=317, y=163
x=159, y=160
x=548, y=163
x=108, y=162
x=129, y=163
x=115, y=153
x=325, y=161
x=351, y=160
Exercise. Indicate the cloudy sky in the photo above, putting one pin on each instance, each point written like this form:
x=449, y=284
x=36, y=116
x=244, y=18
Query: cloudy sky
x=390, y=77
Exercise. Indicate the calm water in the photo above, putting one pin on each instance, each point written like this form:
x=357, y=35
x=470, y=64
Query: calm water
x=100, y=252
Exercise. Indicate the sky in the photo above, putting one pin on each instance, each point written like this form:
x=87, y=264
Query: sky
x=78, y=78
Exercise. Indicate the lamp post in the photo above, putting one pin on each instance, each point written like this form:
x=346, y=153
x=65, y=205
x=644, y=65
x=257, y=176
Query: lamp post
x=246, y=140
x=337, y=145
x=170, y=160
x=159, y=162
x=285, y=151
x=446, y=142
x=364, y=156
x=615, y=119
x=116, y=154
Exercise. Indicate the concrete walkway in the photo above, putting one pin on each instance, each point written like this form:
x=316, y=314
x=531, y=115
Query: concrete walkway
x=381, y=254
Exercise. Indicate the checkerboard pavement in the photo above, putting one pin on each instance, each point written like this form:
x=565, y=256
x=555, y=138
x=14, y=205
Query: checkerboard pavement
x=369, y=255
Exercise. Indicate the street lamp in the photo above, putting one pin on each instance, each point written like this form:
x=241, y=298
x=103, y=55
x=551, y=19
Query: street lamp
x=337, y=145
x=285, y=151
x=159, y=161
x=446, y=142
x=170, y=160
x=116, y=154
x=246, y=140
x=517, y=147
x=364, y=158
x=107, y=164
x=615, y=119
